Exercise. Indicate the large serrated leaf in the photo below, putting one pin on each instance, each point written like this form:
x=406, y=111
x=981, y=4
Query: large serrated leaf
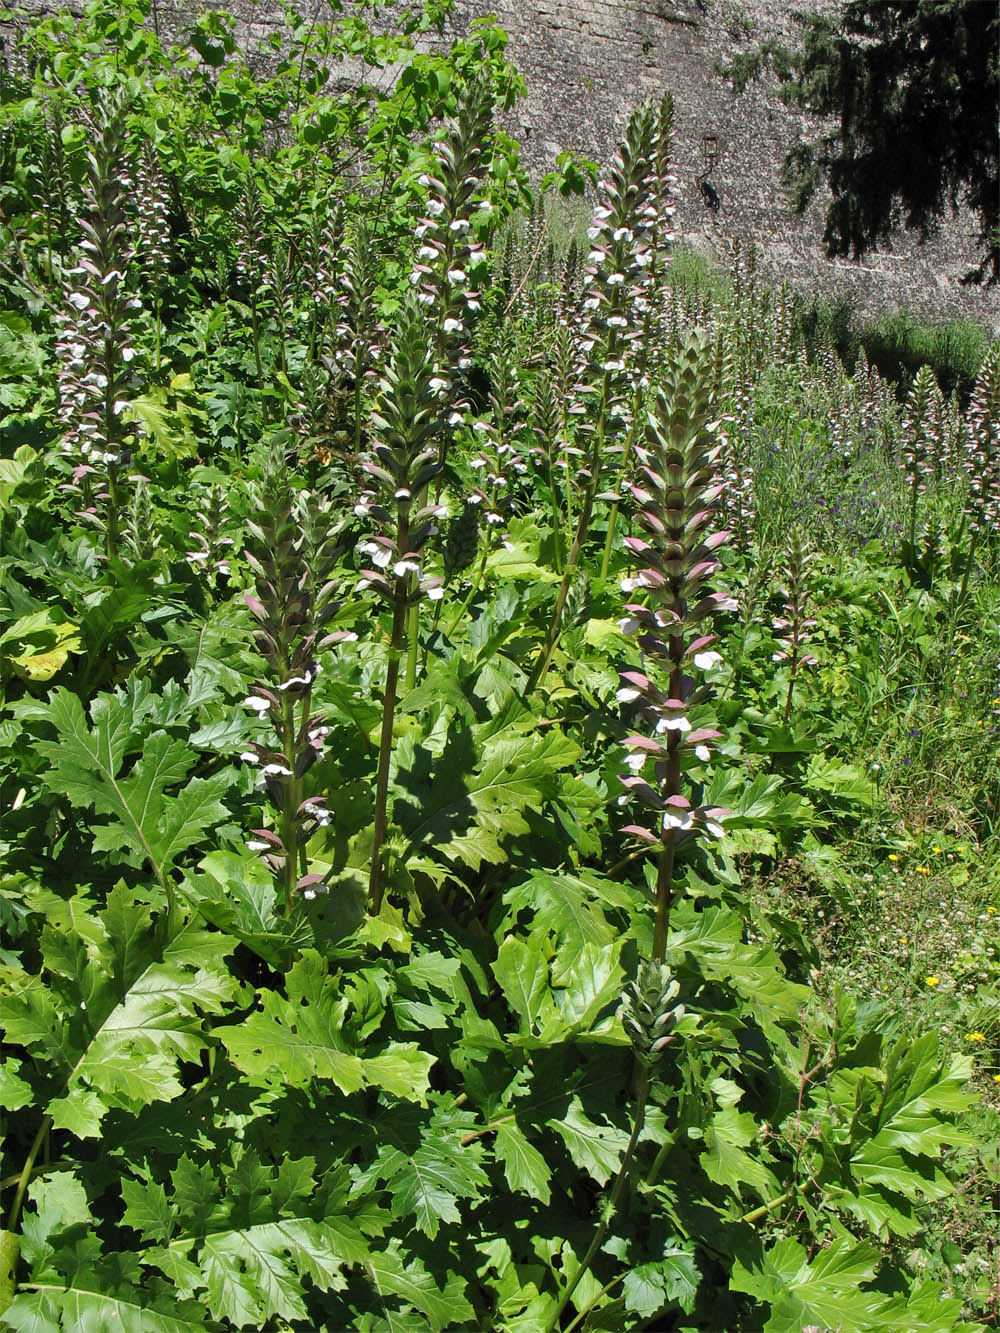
x=300, y=1037
x=147, y=821
x=596, y=1149
x=74, y=1310
x=392, y=1275
x=466, y=816
x=524, y=1166
x=826, y=1292
x=727, y=1136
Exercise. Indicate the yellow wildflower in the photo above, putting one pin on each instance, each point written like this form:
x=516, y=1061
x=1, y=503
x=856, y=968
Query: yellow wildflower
x=893, y=856
x=937, y=849
x=975, y=1036
x=923, y=870
x=932, y=981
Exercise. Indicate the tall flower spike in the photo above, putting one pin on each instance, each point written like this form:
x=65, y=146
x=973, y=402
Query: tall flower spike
x=983, y=449
x=610, y=329
x=403, y=462
x=360, y=334
x=916, y=445
x=94, y=339
x=290, y=552
x=451, y=256
x=676, y=495
x=653, y=238
x=152, y=232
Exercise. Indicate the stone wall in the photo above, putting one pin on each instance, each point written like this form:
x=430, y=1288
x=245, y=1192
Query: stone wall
x=588, y=62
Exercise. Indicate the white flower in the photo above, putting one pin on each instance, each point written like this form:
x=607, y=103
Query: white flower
x=402, y=567
x=381, y=555
x=435, y=207
x=627, y=693
x=256, y=702
x=679, y=723
x=276, y=771
x=451, y=325
x=457, y=275
x=682, y=821
x=707, y=661
x=79, y=300
x=254, y=845
x=249, y=757
x=636, y=760
x=703, y=753
x=615, y=279
x=435, y=594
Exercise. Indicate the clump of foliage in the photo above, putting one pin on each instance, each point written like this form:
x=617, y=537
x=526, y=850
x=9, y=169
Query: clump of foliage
x=338, y=987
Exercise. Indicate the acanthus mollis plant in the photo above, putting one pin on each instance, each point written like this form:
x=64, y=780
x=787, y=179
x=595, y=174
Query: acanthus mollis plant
x=403, y=461
x=982, y=456
x=652, y=251
x=451, y=257
x=450, y=264
x=211, y=541
x=918, y=449
x=983, y=449
x=252, y=267
x=152, y=233
x=292, y=553
x=360, y=334
x=95, y=342
x=676, y=496
x=610, y=309
x=794, y=626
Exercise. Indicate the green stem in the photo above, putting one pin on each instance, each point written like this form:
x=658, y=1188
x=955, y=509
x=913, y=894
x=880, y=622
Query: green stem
x=556, y=525
x=412, y=645
x=913, y=522
x=664, y=898
x=385, y=744
x=579, y=1318
x=758, y=1213
x=256, y=339
x=290, y=804
x=467, y=601
x=112, y=520
x=642, y=1096
x=960, y=600
x=14, y=1215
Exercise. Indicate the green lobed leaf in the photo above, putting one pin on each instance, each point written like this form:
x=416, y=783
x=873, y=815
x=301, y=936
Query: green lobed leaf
x=727, y=1135
x=595, y=1149
x=393, y=1275
x=86, y=767
x=48, y=1309
x=827, y=1292
x=524, y=1166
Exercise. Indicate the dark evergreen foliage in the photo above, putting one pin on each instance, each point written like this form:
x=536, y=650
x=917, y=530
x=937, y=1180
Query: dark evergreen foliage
x=913, y=86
